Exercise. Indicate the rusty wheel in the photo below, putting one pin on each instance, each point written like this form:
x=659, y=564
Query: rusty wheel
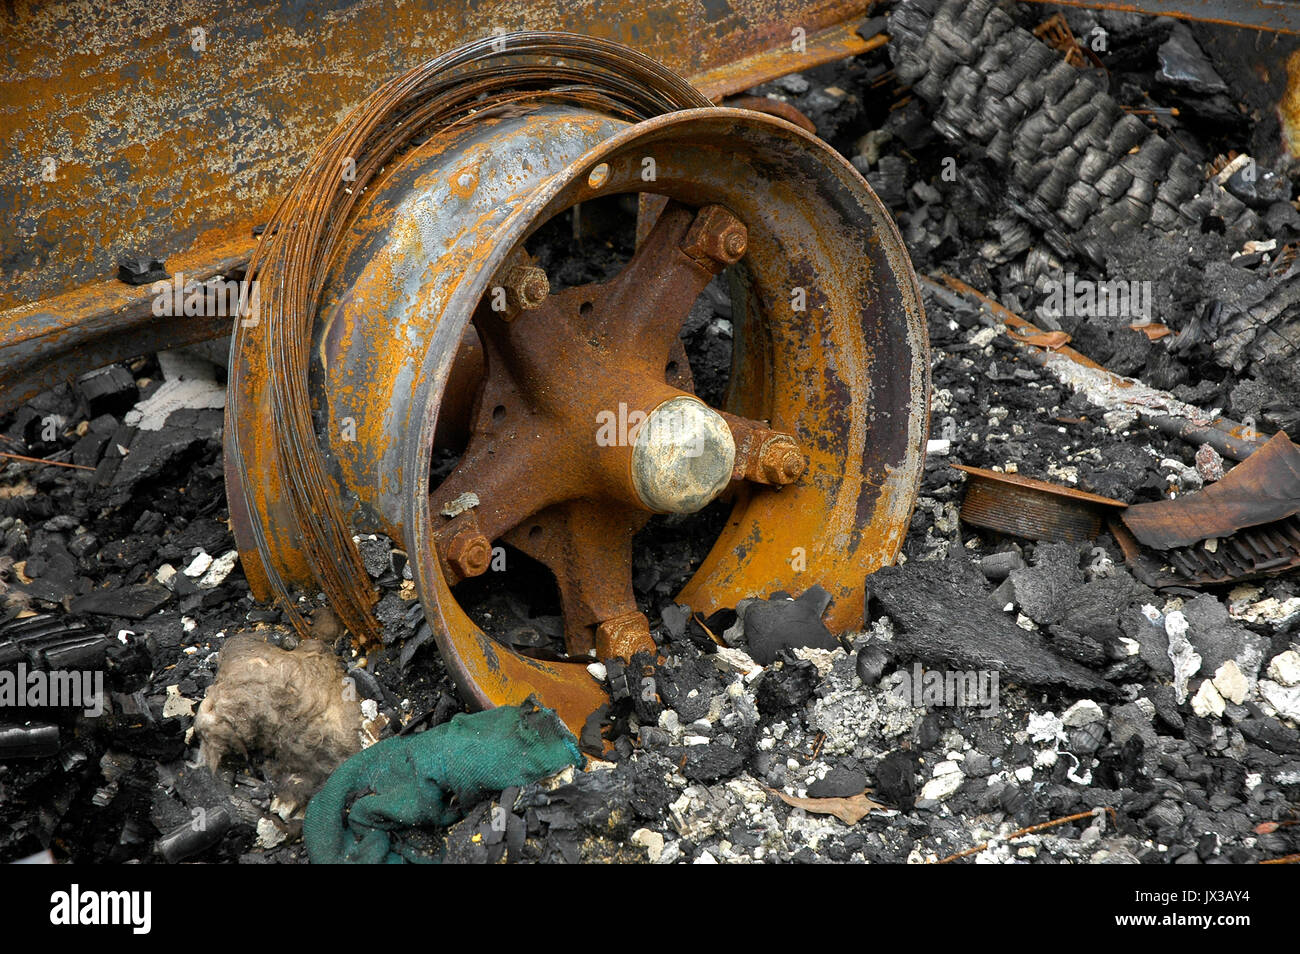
x=429, y=324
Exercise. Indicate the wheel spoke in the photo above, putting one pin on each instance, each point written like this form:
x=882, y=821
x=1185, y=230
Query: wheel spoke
x=588, y=547
x=540, y=476
x=513, y=465
x=642, y=310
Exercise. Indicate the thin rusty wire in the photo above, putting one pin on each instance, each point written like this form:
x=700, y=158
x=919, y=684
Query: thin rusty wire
x=39, y=460
x=1032, y=829
x=291, y=262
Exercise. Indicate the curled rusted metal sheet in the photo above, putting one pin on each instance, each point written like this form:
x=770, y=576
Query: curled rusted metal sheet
x=1244, y=526
x=371, y=290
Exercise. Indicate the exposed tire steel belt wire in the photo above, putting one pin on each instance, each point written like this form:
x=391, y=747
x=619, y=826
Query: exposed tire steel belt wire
x=300, y=240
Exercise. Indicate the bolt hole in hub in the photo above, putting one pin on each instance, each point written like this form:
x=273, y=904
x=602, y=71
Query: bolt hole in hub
x=430, y=317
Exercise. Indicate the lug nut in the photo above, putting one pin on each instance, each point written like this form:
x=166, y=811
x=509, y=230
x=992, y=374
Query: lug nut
x=793, y=464
x=716, y=237
x=469, y=554
x=781, y=462
x=527, y=286
x=734, y=245
x=624, y=636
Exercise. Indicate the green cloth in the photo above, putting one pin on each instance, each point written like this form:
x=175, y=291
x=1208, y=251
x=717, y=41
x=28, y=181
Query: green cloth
x=431, y=779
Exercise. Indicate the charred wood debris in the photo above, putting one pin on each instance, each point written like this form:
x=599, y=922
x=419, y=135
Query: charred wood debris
x=1156, y=709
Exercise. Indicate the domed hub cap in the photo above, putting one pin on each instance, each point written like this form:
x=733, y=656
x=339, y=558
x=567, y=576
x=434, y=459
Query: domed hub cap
x=683, y=456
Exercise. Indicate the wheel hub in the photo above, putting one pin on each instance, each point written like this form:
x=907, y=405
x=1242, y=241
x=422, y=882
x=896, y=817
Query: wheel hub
x=579, y=435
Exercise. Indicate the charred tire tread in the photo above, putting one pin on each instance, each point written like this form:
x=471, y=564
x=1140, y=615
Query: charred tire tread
x=1083, y=170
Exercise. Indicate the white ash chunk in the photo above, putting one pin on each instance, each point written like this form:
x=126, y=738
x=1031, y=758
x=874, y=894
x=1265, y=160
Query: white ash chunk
x=1045, y=727
x=1186, y=660
x=177, y=704
x=1207, y=702
x=1285, y=668
x=1285, y=700
x=218, y=570
x=199, y=565
x=1231, y=682
x=1083, y=712
x=947, y=779
x=651, y=841
x=269, y=834
x=730, y=659
x=466, y=501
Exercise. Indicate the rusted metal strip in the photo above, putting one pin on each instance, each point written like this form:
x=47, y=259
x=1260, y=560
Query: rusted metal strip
x=1228, y=437
x=1270, y=16
x=49, y=342
x=773, y=107
x=797, y=52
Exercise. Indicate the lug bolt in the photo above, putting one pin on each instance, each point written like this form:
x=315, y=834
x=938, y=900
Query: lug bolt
x=469, y=554
x=734, y=243
x=781, y=462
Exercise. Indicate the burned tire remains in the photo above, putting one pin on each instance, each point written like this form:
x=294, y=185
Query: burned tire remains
x=1086, y=172
x=1094, y=178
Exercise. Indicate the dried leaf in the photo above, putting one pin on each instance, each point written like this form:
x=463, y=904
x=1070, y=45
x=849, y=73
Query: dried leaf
x=1153, y=330
x=849, y=810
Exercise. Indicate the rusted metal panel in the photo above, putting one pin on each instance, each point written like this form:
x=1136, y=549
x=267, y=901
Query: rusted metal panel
x=160, y=145
x=176, y=128
x=45, y=343
x=1252, y=552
